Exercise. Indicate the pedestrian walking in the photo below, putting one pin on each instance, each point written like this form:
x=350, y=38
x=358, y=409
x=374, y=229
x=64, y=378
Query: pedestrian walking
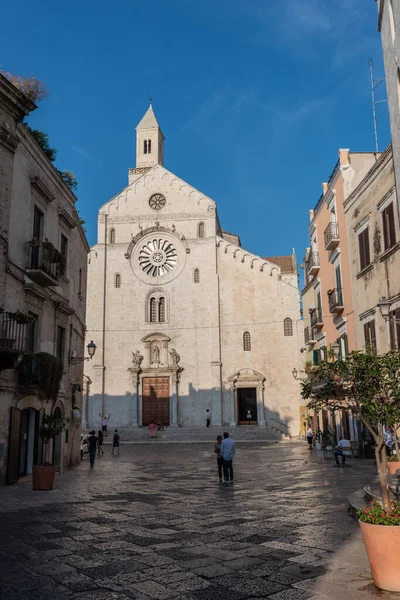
x=220, y=460
x=389, y=441
x=228, y=451
x=115, y=441
x=92, y=443
x=104, y=423
x=310, y=437
x=152, y=430
x=208, y=417
x=100, y=439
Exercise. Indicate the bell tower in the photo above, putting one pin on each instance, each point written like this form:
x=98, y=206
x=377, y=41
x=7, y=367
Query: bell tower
x=149, y=141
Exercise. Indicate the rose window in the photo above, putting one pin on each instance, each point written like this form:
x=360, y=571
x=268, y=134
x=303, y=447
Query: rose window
x=157, y=257
x=157, y=201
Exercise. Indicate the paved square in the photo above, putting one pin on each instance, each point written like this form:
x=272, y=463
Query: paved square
x=156, y=523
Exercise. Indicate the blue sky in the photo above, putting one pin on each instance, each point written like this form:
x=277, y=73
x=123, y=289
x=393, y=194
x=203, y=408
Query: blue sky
x=254, y=98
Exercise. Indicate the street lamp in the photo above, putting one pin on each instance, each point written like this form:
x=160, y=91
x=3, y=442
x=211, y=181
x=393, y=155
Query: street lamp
x=91, y=348
x=336, y=350
x=384, y=307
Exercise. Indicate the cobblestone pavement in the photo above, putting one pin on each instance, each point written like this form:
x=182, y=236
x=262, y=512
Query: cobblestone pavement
x=156, y=523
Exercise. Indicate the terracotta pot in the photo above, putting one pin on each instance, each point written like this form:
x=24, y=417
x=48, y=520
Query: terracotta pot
x=392, y=467
x=43, y=478
x=382, y=543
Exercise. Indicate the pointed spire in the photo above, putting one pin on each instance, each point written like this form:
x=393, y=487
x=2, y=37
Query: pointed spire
x=149, y=121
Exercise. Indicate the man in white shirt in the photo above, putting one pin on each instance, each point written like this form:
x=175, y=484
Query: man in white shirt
x=343, y=449
x=208, y=417
x=228, y=451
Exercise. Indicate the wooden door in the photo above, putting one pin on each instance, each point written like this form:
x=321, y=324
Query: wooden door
x=13, y=446
x=247, y=406
x=155, y=405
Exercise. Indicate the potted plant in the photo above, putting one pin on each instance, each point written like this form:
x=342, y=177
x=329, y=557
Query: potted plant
x=23, y=318
x=43, y=476
x=34, y=242
x=76, y=412
x=393, y=464
x=368, y=386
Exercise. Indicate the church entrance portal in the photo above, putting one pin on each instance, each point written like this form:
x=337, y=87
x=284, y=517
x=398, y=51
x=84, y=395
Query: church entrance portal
x=247, y=406
x=155, y=405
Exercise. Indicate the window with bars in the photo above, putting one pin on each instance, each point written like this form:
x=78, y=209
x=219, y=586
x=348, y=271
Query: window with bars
x=112, y=236
x=389, y=231
x=246, y=341
x=196, y=276
x=117, y=280
x=370, y=337
x=363, y=246
x=200, y=230
x=161, y=310
x=287, y=327
x=394, y=328
x=153, y=310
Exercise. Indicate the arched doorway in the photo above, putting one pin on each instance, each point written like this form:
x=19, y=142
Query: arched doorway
x=28, y=440
x=57, y=441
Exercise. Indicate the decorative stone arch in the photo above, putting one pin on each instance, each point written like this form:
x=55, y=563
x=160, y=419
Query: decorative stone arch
x=244, y=256
x=265, y=264
x=274, y=269
x=156, y=293
x=238, y=250
x=247, y=378
x=29, y=402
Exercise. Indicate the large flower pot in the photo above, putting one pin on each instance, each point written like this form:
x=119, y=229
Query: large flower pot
x=392, y=467
x=43, y=478
x=382, y=543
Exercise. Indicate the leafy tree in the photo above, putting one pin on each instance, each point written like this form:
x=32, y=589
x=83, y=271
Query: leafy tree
x=43, y=141
x=70, y=179
x=367, y=385
x=32, y=88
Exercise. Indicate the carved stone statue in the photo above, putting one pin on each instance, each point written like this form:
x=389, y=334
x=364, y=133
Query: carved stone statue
x=137, y=359
x=175, y=358
x=155, y=356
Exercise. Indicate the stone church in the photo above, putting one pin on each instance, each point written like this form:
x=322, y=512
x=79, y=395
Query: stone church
x=183, y=317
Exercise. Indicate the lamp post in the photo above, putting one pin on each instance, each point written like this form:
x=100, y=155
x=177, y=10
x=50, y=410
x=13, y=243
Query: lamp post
x=75, y=360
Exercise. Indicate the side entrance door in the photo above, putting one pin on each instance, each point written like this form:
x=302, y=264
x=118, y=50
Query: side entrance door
x=155, y=405
x=247, y=406
x=14, y=446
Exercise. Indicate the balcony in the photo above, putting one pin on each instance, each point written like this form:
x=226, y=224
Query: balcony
x=316, y=318
x=13, y=338
x=331, y=236
x=336, y=301
x=312, y=263
x=43, y=264
x=309, y=336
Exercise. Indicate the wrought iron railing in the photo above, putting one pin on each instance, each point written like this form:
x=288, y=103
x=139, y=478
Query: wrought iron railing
x=41, y=258
x=312, y=261
x=335, y=299
x=331, y=234
x=306, y=334
x=13, y=332
x=316, y=317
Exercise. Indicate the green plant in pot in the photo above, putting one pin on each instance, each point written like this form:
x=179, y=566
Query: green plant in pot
x=368, y=386
x=50, y=427
x=393, y=464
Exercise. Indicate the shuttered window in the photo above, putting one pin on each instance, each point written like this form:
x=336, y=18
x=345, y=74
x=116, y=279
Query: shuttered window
x=394, y=328
x=112, y=236
x=246, y=341
x=117, y=280
x=288, y=327
x=153, y=310
x=161, y=310
x=370, y=337
x=200, y=230
x=196, y=276
x=389, y=231
x=363, y=245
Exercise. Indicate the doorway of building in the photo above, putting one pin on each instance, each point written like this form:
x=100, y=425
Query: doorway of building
x=155, y=400
x=247, y=406
x=57, y=442
x=28, y=440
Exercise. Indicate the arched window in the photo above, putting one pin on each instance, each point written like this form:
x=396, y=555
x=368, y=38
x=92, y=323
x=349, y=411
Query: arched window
x=117, y=281
x=246, y=341
x=161, y=310
x=112, y=236
x=287, y=326
x=196, y=276
x=200, y=230
x=148, y=146
x=153, y=310
x=145, y=147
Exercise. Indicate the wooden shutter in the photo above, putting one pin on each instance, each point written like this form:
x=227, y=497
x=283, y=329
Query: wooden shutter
x=389, y=231
x=363, y=242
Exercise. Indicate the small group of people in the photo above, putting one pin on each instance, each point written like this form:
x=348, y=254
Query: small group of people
x=95, y=444
x=153, y=427
x=342, y=449
x=225, y=450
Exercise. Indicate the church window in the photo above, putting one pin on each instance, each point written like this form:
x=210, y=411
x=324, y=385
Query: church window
x=246, y=341
x=145, y=147
x=200, y=230
x=153, y=310
x=161, y=310
x=117, y=281
x=196, y=276
x=112, y=236
x=288, y=327
x=148, y=146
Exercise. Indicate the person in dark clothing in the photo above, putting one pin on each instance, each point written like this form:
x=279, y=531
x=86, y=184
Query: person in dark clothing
x=115, y=442
x=220, y=460
x=100, y=440
x=92, y=442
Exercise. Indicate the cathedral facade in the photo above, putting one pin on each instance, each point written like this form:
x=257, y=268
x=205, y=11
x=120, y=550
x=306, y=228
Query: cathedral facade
x=183, y=317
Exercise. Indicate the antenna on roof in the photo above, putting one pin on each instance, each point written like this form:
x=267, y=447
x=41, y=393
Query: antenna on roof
x=375, y=83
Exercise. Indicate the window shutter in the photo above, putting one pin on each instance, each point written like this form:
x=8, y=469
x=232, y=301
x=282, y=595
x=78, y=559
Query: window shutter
x=361, y=249
x=161, y=310
x=316, y=356
x=373, y=335
x=246, y=341
x=392, y=230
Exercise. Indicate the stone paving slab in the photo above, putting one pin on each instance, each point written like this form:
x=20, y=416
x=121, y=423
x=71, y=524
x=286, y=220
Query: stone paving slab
x=156, y=523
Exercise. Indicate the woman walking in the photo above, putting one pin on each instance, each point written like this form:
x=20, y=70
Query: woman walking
x=100, y=440
x=310, y=436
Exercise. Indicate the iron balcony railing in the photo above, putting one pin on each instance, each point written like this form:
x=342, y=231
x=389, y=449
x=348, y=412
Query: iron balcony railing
x=313, y=262
x=331, y=236
x=336, y=300
x=13, y=333
x=41, y=260
x=316, y=317
x=306, y=335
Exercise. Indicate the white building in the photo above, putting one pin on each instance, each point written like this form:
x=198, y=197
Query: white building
x=184, y=318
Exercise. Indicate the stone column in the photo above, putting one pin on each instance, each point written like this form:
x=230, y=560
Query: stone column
x=233, y=421
x=260, y=405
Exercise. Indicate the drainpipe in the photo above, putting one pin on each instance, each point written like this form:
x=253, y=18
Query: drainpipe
x=103, y=354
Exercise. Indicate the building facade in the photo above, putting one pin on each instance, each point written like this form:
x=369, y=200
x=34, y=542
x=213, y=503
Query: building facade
x=374, y=249
x=184, y=318
x=43, y=268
